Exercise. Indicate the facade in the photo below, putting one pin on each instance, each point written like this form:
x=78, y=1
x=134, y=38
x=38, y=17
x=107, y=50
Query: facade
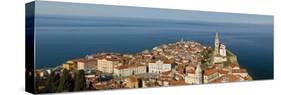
x=105, y=66
x=240, y=72
x=127, y=70
x=234, y=66
x=193, y=76
x=198, y=74
x=80, y=64
x=190, y=77
x=222, y=50
x=219, y=59
x=132, y=82
x=159, y=67
x=210, y=75
x=219, y=54
x=68, y=66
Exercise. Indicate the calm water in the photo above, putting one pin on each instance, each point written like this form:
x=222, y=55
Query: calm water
x=63, y=38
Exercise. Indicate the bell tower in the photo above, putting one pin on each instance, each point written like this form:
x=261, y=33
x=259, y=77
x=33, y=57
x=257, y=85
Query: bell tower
x=198, y=74
x=217, y=44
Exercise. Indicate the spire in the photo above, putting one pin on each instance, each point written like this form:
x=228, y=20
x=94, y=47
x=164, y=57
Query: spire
x=181, y=39
x=216, y=52
x=198, y=68
x=217, y=35
x=198, y=74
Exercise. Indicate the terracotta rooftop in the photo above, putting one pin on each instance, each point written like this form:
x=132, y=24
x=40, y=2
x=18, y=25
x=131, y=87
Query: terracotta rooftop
x=232, y=65
x=128, y=66
x=239, y=71
x=223, y=72
x=227, y=78
x=190, y=71
x=177, y=82
x=210, y=72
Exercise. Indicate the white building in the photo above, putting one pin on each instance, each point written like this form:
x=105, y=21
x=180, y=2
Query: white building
x=198, y=74
x=159, y=67
x=104, y=65
x=219, y=54
x=219, y=59
x=190, y=77
x=127, y=70
x=194, y=76
x=80, y=65
x=222, y=50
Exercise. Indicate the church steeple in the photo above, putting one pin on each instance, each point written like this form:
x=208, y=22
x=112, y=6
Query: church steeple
x=217, y=43
x=198, y=74
x=181, y=39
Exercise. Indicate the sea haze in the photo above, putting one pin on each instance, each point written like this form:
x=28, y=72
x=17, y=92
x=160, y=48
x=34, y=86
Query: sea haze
x=61, y=38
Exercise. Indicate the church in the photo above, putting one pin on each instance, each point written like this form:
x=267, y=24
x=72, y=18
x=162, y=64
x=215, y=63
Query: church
x=219, y=53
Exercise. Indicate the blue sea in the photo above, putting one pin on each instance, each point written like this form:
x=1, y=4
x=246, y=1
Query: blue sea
x=61, y=38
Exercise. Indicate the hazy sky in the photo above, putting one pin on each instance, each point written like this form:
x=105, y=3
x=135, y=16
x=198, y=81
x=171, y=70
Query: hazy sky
x=78, y=9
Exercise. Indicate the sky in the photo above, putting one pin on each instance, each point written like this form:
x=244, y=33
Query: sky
x=88, y=10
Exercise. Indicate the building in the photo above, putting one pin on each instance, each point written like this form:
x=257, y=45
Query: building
x=198, y=74
x=223, y=73
x=159, y=67
x=240, y=72
x=210, y=75
x=69, y=66
x=190, y=77
x=80, y=64
x=105, y=66
x=219, y=54
x=132, y=82
x=217, y=44
x=222, y=50
x=234, y=66
x=228, y=78
x=190, y=67
x=130, y=69
x=193, y=76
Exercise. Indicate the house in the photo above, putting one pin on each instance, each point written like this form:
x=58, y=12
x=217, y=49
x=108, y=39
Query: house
x=105, y=65
x=68, y=66
x=234, y=66
x=193, y=76
x=241, y=72
x=159, y=67
x=210, y=75
x=218, y=65
x=130, y=69
x=190, y=67
x=132, y=82
x=86, y=63
x=228, y=78
x=190, y=76
x=222, y=72
x=177, y=80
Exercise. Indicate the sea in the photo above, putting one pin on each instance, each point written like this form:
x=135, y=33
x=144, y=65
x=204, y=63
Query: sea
x=62, y=38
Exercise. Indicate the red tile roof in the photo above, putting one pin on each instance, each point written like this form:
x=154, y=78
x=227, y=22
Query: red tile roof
x=210, y=72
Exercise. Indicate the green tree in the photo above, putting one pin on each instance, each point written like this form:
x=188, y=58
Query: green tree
x=79, y=82
x=52, y=82
x=49, y=83
x=64, y=81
